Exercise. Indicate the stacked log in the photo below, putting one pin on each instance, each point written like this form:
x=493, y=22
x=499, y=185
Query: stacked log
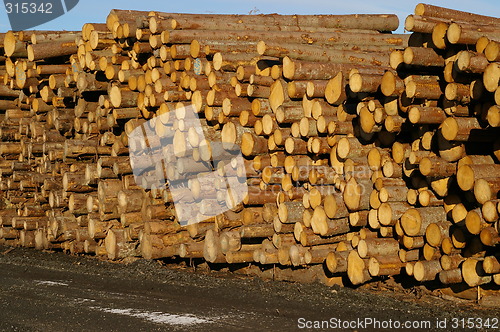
x=238, y=94
x=367, y=154
x=452, y=141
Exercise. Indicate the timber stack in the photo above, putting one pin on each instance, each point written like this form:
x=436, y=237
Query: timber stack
x=367, y=154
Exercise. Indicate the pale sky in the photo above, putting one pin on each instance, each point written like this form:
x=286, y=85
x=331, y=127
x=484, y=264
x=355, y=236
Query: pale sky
x=95, y=11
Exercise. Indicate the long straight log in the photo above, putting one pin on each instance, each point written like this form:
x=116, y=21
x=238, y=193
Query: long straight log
x=381, y=22
x=450, y=14
x=51, y=50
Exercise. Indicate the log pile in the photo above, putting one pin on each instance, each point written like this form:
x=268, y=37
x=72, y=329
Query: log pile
x=367, y=153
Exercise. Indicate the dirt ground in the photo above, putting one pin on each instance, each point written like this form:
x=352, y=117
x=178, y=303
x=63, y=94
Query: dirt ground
x=51, y=291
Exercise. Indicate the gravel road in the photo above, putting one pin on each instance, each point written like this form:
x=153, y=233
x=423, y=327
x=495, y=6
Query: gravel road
x=47, y=291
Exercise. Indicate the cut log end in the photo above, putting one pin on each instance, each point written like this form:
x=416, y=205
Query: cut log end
x=356, y=269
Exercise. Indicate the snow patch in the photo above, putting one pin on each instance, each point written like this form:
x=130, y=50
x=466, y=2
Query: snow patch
x=156, y=316
x=51, y=283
